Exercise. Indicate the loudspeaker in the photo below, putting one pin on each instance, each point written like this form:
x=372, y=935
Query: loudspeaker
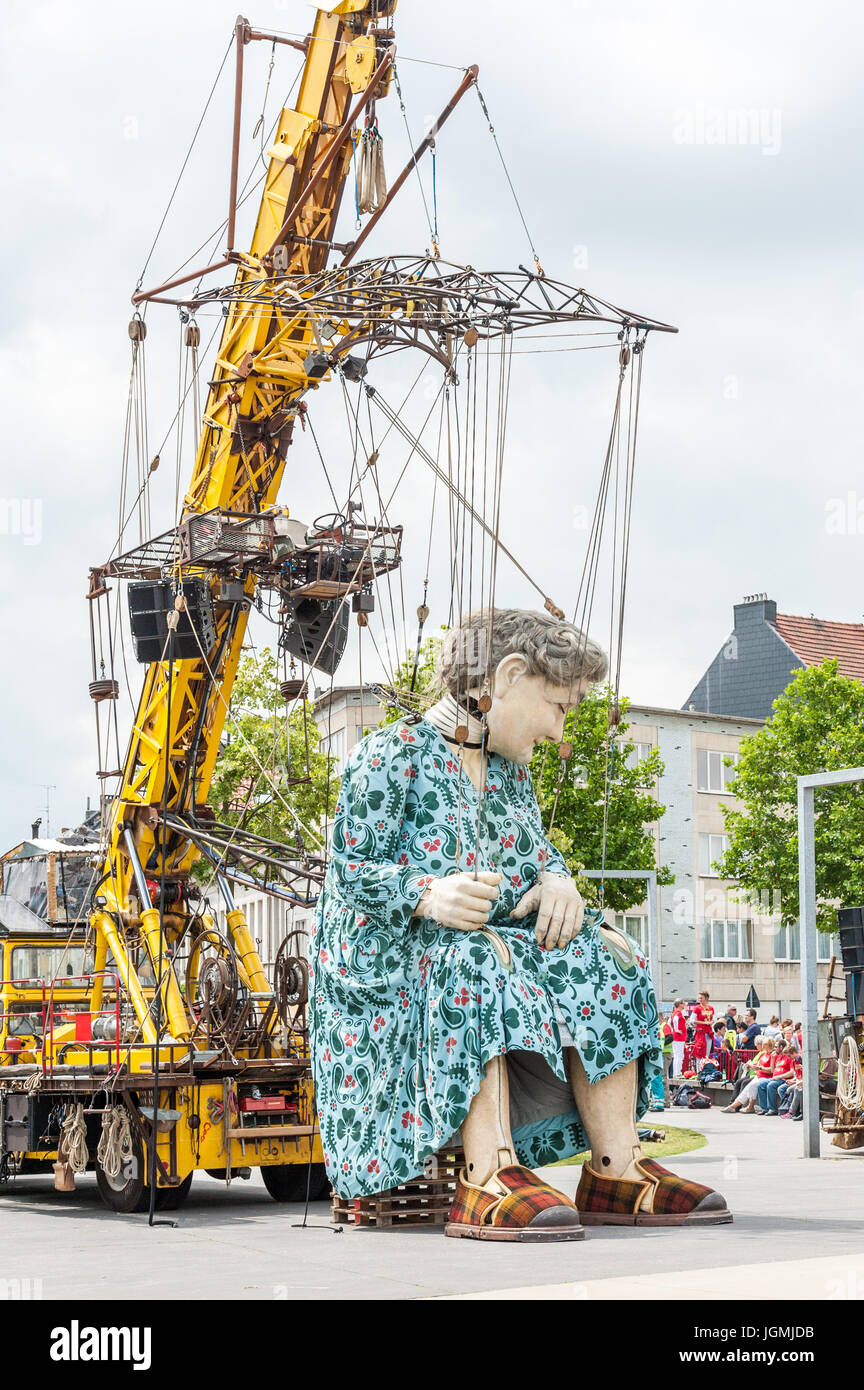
x=316, y=632
x=149, y=606
x=850, y=929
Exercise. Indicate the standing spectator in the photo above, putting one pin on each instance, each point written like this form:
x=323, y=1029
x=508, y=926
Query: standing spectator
x=678, y=1023
x=751, y=1032
x=703, y=1021
x=732, y=1019
x=799, y=1035
x=772, y=1028
x=666, y=1040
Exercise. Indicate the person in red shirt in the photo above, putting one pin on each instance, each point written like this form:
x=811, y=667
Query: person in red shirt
x=783, y=1073
x=762, y=1069
x=703, y=1019
x=678, y=1023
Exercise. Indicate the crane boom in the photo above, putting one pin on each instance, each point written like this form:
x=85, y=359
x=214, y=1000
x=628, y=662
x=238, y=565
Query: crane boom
x=258, y=381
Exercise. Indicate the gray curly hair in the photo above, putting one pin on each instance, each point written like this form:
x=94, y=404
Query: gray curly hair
x=557, y=650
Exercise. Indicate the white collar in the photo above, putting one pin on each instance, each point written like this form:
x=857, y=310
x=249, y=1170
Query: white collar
x=446, y=716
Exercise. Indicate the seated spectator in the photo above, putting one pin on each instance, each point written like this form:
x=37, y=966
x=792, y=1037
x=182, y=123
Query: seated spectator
x=783, y=1072
x=761, y=1068
x=751, y=1032
x=717, y=1037
x=791, y=1094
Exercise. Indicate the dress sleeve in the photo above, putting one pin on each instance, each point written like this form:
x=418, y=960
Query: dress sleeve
x=554, y=862
x=365, y=856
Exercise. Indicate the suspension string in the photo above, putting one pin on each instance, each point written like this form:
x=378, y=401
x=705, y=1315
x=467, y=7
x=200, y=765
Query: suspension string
x=185, y=162
x=492, y=132
x=413, y=154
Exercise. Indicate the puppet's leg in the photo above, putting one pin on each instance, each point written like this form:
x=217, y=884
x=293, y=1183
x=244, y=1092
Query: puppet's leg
x=486, y=1135
x=619, y=1186
x=496, y=1198
x=608, y=1111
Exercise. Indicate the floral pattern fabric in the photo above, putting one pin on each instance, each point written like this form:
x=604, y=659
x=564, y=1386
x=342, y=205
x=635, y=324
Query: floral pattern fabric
x=405, y=1014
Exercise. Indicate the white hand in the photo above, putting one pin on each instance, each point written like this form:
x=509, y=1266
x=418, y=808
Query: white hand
x=460, y=900
x=559, y=906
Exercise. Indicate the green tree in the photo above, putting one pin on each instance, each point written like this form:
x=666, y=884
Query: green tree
x=404, y=675
x=580, y=783
x=816, y=725
x=263, y=772
x=578, y=827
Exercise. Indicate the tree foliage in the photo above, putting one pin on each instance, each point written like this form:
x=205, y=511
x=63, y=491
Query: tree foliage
x=257, y=738
x=816, y=725
x=580, y=783
x=578, y=828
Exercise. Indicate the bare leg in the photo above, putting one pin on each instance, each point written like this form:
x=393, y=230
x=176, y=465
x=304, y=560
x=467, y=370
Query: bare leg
x=486, y=1135
x=608, y=1111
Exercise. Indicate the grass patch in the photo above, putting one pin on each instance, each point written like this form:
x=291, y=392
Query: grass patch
x=677, y=1141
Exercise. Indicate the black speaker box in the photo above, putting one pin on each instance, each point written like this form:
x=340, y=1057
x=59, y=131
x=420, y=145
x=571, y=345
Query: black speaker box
x=149, y=606
x=316, y=632
x=850, y=929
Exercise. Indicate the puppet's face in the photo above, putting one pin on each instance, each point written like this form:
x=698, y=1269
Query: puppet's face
x=527, y=710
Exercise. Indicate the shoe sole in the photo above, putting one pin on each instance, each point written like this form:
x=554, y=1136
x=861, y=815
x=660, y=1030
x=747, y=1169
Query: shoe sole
x=525, y=1235
x=647, y=1218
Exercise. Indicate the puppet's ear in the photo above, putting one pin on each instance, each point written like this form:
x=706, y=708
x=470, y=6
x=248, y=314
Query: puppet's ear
x=510, y=669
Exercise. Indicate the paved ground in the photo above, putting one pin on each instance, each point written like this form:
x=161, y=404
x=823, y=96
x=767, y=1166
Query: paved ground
x=799, y=1224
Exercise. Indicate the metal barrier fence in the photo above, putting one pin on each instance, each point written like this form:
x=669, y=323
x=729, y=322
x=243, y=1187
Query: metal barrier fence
x=727, y=1061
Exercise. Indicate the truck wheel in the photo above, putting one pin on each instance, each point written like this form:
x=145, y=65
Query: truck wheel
x=286, y=1182
x=124, y=1194
x=128, y=1195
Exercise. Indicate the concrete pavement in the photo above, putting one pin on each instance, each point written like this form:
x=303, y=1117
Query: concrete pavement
x=798, y=1231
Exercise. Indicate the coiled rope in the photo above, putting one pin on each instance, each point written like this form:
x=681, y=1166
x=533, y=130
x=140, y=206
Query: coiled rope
x=115, y=1141
x=850, y=1077
x=73, y=1140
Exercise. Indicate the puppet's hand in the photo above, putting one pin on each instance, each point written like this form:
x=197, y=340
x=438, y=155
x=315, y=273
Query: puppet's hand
x=559, y=906
x=460, y=900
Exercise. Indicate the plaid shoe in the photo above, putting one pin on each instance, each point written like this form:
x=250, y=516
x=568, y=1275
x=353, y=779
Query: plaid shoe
x=673, y=1201
x=519, y=1207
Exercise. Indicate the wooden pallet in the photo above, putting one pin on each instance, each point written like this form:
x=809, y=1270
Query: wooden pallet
x=424, y=1201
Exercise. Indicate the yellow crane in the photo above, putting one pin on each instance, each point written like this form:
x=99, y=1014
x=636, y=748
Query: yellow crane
x=234, y=1089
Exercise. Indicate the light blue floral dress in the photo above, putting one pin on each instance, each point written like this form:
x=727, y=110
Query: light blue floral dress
x=405, y=1014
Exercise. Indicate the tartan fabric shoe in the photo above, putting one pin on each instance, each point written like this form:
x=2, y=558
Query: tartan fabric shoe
x=672, y=1201
x=514, y=1205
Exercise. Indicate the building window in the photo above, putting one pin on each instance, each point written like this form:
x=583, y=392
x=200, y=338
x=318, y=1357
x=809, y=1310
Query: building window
x=634, y=925
x=712, y=774
x=334, y=744
x=787, y=944
x=727, y=938
x=711, y=848
x=636, y=753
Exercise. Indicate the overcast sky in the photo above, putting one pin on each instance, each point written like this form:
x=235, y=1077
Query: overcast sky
x=622, y=127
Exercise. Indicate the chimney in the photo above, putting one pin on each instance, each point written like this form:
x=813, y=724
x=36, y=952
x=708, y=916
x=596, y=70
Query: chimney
x=753, y=609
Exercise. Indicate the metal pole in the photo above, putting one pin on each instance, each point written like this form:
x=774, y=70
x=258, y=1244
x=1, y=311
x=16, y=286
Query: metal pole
x=241, y=35
x=650, y=877
x=809, y=939
x=809, y=1003
x=468, y=82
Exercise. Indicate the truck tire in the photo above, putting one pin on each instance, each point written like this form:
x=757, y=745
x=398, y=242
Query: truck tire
x=129, y=1195
x=286, y=1182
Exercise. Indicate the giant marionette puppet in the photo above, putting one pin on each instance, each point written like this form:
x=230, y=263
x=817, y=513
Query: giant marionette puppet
x=458, y=982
